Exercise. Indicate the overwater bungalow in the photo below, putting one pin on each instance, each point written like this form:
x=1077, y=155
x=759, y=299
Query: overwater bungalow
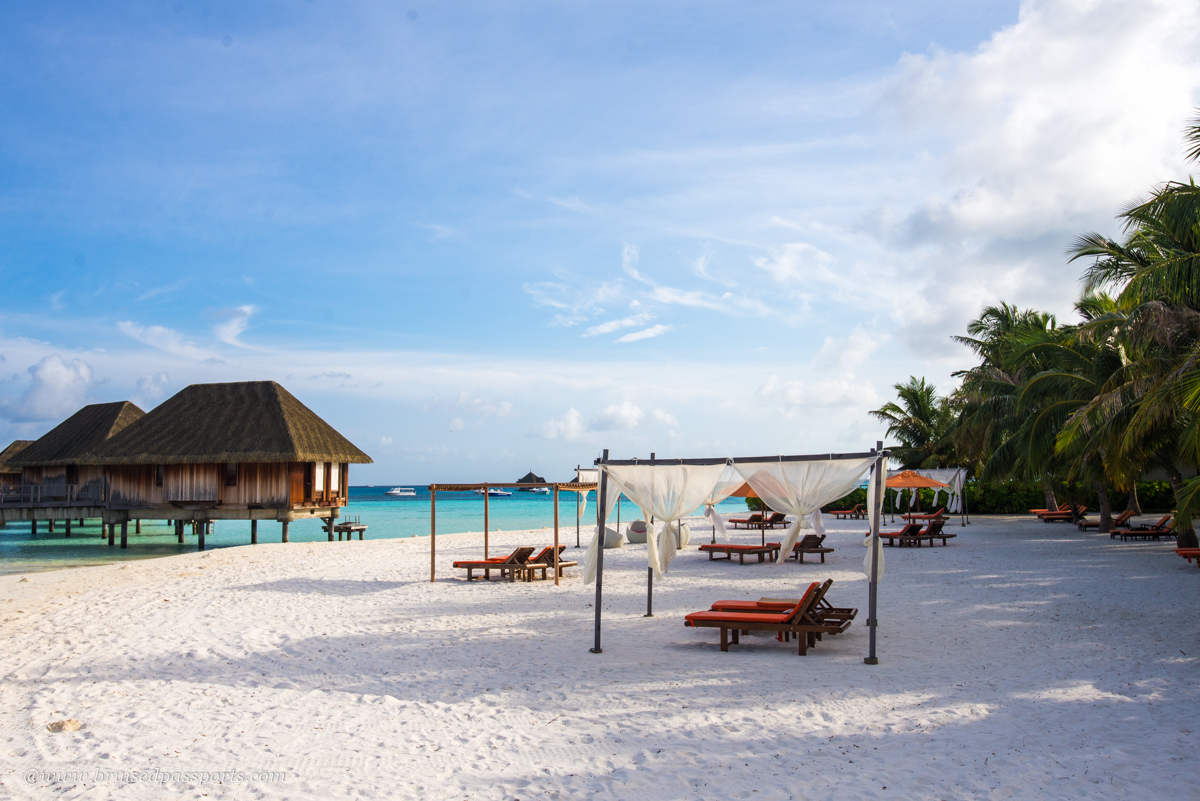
x=57, y=483
x=10, y=474
x=237, y=451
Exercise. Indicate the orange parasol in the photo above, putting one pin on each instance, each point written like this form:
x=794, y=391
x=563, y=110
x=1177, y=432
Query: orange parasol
x=911, y=479
x=744, y=491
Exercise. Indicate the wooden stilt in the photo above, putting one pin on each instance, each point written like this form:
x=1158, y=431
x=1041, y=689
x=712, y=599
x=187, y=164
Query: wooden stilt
x=50, y=526
x=200, y=532
x=124, y=533
x=33, y=527
x=254, y=532
x=285, y=531
x=138, y=529
x=179, y=531
x=111, y=531
x=68, y=524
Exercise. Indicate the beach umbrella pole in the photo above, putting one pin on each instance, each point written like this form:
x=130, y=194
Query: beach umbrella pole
x=600, y=510
x=432, y=535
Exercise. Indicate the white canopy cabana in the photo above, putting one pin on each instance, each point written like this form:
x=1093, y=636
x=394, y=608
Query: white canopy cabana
x=955, y=478
x=671, y=489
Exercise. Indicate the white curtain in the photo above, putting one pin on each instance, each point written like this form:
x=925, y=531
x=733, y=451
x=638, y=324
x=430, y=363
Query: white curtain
x=801, y=488
x=874, y=510
x=726, y=485
x=583, y=496
x=667, y=492
x=592, y=557
x=955, y=477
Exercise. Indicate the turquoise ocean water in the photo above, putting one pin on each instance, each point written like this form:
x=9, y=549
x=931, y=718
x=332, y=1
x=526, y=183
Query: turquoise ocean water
x=386, y=516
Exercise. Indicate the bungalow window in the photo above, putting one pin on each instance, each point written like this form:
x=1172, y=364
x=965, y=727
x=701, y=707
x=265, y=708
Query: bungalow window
x=231, y=471
x=158, y=475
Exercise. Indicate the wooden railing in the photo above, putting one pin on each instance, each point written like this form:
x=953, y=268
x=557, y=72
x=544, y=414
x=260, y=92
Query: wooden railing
x=90, y=494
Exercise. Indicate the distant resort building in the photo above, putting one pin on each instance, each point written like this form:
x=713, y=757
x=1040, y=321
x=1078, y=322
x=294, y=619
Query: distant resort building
x=10, y=474
x=531, y=478
x=237, y=451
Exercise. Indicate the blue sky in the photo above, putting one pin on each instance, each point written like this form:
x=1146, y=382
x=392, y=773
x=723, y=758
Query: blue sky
x=481, y=238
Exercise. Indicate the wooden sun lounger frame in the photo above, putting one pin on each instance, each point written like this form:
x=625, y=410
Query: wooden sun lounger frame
x=1118, y=522
x=748, y=522
x=507, y=566
x=543, y=562
x=828, y=611
x=1062, y=516
x=857, y=513
x=770, y=549
x=811, y=544
x=940, y=514
x=1165, y=527
x=806, y=623
x=1189, y=554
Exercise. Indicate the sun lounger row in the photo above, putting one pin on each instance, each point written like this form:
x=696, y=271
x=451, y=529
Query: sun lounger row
x=517, y=565
x=857, y=513
x=809, y=544
x=940, y=514
x=1063, y=514
x=757, y=520
x=913, y=534
x=807, y=619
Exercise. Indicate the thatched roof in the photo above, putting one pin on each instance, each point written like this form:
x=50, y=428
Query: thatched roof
x=11, y=451
x=74, y=438
x=250, y=421
x=530, y=478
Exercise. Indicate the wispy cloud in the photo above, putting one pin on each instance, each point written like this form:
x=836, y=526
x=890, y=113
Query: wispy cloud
x=233, y=327
x=616, y=325
x=164, y=339
x=166, y=289
x=647, y=333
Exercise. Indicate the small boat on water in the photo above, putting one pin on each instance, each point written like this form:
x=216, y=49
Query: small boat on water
x=494, y=492
x=539, y=490
x=409, y=491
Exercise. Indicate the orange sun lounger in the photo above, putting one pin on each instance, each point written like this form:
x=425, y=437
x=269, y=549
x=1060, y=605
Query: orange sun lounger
x=804, y=620
x=507, y=565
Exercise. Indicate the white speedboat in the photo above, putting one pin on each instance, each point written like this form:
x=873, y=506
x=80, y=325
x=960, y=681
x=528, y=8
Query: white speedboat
x=402, y=491
x=493, y=492
x=540, y=490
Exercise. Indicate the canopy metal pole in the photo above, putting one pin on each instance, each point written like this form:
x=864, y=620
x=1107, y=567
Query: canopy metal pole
x=555, y=535
x=966, y=511
x=485, y=521
x=577, y=513
x=877, y=501
x=600, y=510
x=649, y=592
x=432, y=534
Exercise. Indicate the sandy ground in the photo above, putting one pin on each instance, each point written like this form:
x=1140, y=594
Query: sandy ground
x=1024, y=660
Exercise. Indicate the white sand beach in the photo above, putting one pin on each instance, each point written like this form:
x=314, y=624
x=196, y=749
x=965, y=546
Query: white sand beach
x=1023, y=660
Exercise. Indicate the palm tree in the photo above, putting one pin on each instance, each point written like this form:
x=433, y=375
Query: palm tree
x=921, y=420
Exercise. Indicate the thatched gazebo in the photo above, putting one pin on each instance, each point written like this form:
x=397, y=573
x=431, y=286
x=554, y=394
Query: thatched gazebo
x=236, y=451
x=10, y=474
x=530, y=478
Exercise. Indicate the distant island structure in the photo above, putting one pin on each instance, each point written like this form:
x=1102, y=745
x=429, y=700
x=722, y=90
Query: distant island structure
x=234, y=451
x=532, y=478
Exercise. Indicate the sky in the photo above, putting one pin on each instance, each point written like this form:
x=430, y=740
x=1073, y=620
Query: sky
x=481, y=238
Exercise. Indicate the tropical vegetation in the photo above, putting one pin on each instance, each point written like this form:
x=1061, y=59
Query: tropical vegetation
x=1095, y=405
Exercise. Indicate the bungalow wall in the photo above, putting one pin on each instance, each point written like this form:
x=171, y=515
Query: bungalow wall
x=277, y=485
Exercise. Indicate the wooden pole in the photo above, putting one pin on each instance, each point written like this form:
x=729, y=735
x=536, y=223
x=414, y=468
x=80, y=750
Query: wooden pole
x=600, y=510
x=138, y=523
x=576, y=518
x=107, y=530
x=285, y=530
x=329, y=529
x=68, y=522
x=125, y=533
x=254, y=532
x=873, y=595
x=50, y=526
x=201, y=530
x=556, y=535
x=33, y=527
x=485, y=521
x=432, y=535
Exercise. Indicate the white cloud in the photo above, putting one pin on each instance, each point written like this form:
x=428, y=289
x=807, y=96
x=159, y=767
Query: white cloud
x=648, y=333
x=618, y=417
x=576, y=300
x=151, y=387
x=1030, y=141
x=798, y=262
x=616, y=325
x=569, y=427
x=229, y=331
x=457, y=424
x=665, y=418
x=164, y=339
x=843, y=355
x=820, y=396
x=57, y=389
x=630, y=256
x=385, y=440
